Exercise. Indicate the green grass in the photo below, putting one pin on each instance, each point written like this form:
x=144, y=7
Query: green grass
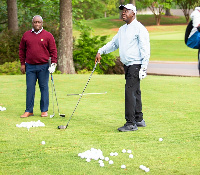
x=167, y=40
x=171, y=112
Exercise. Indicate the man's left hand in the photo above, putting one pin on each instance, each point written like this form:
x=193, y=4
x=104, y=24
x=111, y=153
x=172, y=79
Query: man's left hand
x=52, y=68
x=23, y=69
x=142, y=73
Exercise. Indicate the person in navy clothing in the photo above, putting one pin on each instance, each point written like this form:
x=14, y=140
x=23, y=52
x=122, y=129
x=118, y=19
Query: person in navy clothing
x=192, y=33
x=35, y=48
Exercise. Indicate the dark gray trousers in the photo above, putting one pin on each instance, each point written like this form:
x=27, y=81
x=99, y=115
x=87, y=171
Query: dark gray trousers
x=133, y=102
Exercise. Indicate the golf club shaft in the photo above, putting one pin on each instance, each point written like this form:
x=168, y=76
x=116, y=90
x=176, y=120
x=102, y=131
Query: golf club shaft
x=82, y=93
x=52, y=82
x=52, y=95
x=86, y=94
x=49, y=61
x=55, y=92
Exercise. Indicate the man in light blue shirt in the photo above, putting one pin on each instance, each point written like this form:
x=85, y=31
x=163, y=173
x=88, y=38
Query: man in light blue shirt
x=133, y=42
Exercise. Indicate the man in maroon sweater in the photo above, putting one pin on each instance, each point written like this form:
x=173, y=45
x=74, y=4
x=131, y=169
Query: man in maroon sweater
x=35, y=48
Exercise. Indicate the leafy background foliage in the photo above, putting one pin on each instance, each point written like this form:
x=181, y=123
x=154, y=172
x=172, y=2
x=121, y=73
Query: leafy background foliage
x=85, y=51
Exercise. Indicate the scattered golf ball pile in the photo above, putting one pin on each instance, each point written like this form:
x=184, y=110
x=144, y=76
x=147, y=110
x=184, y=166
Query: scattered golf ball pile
x=28, y=125
x=2, y=108
x=97, y=154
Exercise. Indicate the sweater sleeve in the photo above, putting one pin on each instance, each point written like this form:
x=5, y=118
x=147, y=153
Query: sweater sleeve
x=110, y=46
x=144, y=46
x=22, y=51
x=52, y=49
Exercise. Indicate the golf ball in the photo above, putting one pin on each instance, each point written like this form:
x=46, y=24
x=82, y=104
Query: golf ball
x=88, y=160
x=129, y=151
x=115, y=154
x=131, y=156
x=123, y=150
x=112, y=154
x=101, y=157
x=43, y=142
x=111, y=162
x=82, y=156
x=123, y=166
x=146, y=169
x=142, y=167
x=100, y=161
x=101, y=164
x=106, y=158
x=160, y=139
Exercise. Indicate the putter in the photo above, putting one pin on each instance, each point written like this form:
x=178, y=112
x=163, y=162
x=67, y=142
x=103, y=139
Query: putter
x=51, y=116
x=86, y=94
x=65, y=127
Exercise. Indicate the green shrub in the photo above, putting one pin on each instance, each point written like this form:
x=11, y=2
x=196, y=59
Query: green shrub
x=10, y=68
x=85, y=51
x=9, y=50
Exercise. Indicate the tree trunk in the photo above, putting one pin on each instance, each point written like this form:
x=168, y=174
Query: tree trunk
x=65, y=45
x=132, y=2
x=186, y=13
x=167, y=12
x=158, y=19
x=12, y=15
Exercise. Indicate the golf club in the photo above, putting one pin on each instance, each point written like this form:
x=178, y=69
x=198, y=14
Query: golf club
x=62, y=115
x=65, y=127
x=86, y=94
x=51, y=116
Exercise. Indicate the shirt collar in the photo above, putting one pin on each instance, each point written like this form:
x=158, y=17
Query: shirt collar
x=132, y=22
x=39, y=31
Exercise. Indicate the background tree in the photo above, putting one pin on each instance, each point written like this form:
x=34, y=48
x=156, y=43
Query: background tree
x=132, y=2
x=186, y=6
x=3, y=15
x=157, y=7
x=110, y=7
x=12, y=15
x=90, y=9
x=167, y=12
x=65, y=61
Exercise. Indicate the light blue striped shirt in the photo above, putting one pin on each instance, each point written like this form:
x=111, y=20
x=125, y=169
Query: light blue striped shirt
x=133, y=43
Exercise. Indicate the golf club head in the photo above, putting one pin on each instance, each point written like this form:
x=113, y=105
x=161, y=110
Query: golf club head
x=62, y=127
x=62, y=115
x=51, y=116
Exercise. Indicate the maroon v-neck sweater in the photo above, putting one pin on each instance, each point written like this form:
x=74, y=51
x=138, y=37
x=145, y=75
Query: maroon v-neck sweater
x=37, y=48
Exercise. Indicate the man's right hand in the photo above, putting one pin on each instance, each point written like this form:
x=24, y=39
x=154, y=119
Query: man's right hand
x=98, y=58
x=23, y=69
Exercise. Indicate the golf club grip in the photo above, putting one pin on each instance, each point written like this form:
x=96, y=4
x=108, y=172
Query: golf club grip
x=49, y=61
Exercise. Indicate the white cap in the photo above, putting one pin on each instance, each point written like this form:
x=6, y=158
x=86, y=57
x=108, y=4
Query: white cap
x=129, y=7
x=195, y=17
x=197, y=8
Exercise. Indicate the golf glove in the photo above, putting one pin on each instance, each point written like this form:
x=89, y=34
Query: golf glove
x=142, y=73
x=52, y=68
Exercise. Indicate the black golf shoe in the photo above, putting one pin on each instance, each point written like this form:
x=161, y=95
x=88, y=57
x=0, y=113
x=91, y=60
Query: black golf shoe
x=126, y=128
x=141, y=124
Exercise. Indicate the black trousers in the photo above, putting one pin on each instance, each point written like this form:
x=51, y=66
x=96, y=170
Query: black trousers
x=133, y=102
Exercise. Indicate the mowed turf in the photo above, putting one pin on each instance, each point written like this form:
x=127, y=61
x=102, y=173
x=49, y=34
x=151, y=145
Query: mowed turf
x=171, y=112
